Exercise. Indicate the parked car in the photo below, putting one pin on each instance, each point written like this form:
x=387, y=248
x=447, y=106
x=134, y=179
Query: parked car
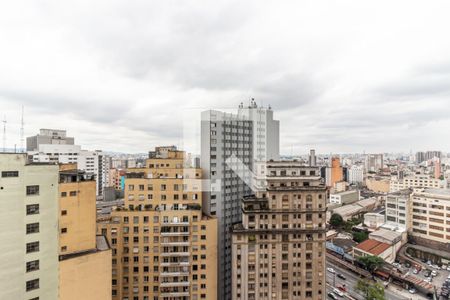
x=448, y=268
x=331, y=270
x=338, y=292
x=332, y=296
x=415, y=271
x=412, y=290
x=434, y=273
x=341, y=276
x=342, y=288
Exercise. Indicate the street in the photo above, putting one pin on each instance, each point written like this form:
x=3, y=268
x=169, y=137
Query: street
x=350, y=283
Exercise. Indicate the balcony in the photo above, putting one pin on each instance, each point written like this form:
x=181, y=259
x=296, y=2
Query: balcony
x=175, y=243
x=174, y=294
x=175, y=264
x=174, y=284
x=176, y=233
x=173, y=274
x=174, y=253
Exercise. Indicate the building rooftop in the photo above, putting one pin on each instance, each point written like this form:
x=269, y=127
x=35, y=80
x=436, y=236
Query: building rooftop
x=441, y=192
x=390, y=235
x=405, y=192
x=373, y=247
x=346, y=192
x=347, y=210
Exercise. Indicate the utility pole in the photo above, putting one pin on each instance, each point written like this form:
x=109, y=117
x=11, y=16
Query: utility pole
x=4, y=134
x=22, y=133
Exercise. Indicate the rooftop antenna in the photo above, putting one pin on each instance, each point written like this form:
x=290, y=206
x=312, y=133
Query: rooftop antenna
x=4, y=134
x=22, y=133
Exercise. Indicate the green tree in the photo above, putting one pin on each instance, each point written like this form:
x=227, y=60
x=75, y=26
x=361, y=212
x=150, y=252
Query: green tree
x=372, y=291
x=360, y=236
x=371, y=263
x=336, y=220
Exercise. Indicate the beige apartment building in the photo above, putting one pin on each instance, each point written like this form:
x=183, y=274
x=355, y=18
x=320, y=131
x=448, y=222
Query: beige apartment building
x=163, y=246
x=416, y=181
x=431, y=215
x=278, y=252
x=29, y=222
x=84, y=257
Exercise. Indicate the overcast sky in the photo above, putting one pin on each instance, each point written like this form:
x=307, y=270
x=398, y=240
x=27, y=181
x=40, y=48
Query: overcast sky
x=341, y=76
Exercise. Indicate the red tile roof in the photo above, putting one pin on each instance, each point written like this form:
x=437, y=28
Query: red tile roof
x=373, y=247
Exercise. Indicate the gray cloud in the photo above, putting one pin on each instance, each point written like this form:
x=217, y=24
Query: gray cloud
x=123, y=76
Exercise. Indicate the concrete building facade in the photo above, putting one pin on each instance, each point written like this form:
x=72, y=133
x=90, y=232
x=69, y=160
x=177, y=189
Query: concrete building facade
x=374, y=162
x=417, y=181
x=356, y=174
x=430, y=214
x=278, y=251
x=398, y=209
x=163, y=246
x=29, y=222
x=52, y=145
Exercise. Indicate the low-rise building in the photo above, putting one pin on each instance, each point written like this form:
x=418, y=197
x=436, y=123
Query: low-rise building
x=395, y=239
x=372, y=247
x=374, y=220
x=344, y=198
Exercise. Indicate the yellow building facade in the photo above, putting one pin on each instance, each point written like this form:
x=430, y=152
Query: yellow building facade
x=84, y=257
x=163, y=246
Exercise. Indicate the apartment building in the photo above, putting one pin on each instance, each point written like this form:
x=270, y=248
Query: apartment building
x=398, y=206
x=278, y=251
x=223, y=136
x=84, y=258
x=416, y=181
x=163, y=246
x=53, y=145
x=374, y=162
x=29, y=235
x=355, y=174
x=430, y=215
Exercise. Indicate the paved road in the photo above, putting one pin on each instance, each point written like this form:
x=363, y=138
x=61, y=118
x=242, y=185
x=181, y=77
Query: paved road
x=351, y=281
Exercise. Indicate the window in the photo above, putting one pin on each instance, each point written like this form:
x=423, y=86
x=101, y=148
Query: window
x=63, y=230
x=73, y=193
x=32, y=209
x=32, y=285
x=32, y=247
x=10, y=173
x=32, y=265
x=63, y=212
x=63, y=194
x=32, y=190
x=32, y=228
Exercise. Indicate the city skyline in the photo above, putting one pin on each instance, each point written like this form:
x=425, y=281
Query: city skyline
x=342, y=78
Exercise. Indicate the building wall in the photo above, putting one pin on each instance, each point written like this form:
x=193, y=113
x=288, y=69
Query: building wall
x=398, y=210
x=336, y=171
x=162, y=243
x=224, y=135
x=417, y=181
x=278, y=252
x=356, y=174
x=86, y=277
x=378, y=185
x=78, y=216
x=430, y=214
x=13, y=221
